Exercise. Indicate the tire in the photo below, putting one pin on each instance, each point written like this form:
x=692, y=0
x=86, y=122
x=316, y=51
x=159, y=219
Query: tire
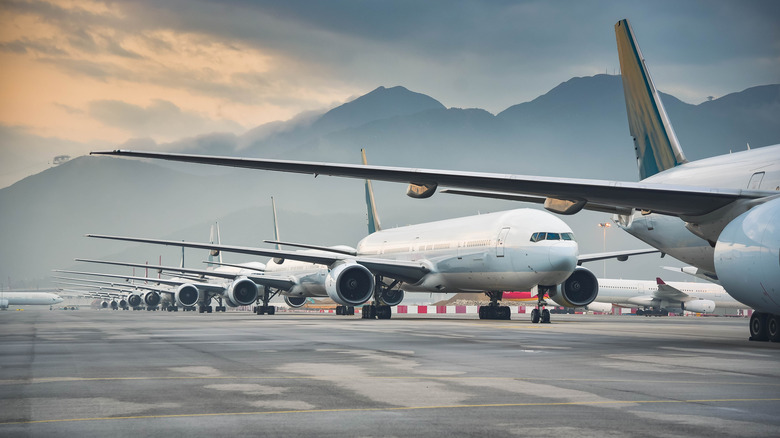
x=545, y=316
x=758, y=327
x=773, y=328
x=271, y=310
x=535, y=316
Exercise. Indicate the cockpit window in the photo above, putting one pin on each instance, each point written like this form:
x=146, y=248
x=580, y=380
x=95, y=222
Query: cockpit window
x=537, y=237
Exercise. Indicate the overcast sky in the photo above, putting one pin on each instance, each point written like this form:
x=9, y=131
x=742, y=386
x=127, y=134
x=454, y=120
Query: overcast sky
x=79, y=75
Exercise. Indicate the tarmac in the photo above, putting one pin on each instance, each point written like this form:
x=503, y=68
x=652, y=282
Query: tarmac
x=122, y=373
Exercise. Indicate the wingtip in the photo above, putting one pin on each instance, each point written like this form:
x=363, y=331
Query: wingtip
x=659, y=281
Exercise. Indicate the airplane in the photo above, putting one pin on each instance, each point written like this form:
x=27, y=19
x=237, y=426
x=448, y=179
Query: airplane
x=657, y=298
x=28, y=299
x=486, y=253
x=713, y=213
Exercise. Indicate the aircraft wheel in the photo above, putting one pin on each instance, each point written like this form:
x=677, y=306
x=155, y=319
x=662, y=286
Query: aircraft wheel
x=773, y=327
x=758, y=327
x=384, y=312
x=545, y=316
x=535, y=316
x=271, y=310
x=505, y=313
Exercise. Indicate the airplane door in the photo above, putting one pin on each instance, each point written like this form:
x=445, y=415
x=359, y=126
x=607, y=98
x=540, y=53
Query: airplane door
x=501, y=241
x=755, y=181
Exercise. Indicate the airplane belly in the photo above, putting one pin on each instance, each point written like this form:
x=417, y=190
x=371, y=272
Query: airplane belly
x=669, y=235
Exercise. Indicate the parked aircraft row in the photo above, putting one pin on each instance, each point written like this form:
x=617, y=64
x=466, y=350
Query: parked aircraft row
x=717, y=214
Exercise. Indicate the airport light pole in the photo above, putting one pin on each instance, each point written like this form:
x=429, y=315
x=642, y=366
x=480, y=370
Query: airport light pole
x=604, y=226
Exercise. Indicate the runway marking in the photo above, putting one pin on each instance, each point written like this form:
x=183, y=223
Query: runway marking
x=407, y=408
x=413, y=377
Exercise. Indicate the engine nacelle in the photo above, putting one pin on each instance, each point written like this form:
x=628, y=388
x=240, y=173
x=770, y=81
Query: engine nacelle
x=242, y=292
x=746, y=257
x=392, y=297
x=104, y=304
x=599, y=307
x=134, y=300
x=152, y=299
x=187, y=295
x=699, y=306
x=123, y=304
x=349, y=284
x=3, y=303
x=114, y=305
x=579, y=290
x=294, y=301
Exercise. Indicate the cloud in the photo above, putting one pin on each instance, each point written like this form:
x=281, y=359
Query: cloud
x=160, y=118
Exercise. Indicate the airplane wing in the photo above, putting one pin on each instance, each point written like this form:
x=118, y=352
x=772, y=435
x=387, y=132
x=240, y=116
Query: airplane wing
x=407, y=271
x=671, y=199
x=129, y=286
x=170, y=282
x=620, y=255
x=174, y=269
x=670, y=293
x=696, y=272
x=602, y=208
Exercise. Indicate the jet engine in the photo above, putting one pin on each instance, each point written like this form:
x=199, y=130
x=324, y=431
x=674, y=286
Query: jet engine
x=123, y=304
x=3, y=303
x=152, y=299
x=242, y=292
x=746, y=256
x=392, y=297
x=294, y=301
x=114, y=305
x=134, y=300
x=699, y=306
x=104, y=304
x=599, y=307
x=349, y=284
x=187, y=295
x=579, y=290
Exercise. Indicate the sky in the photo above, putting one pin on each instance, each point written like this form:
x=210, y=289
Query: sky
x=77, y=75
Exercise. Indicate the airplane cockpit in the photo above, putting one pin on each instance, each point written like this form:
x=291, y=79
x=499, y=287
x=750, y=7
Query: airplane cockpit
x=538, y=237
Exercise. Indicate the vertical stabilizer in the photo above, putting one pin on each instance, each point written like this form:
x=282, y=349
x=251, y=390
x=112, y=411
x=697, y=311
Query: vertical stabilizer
x=215, y=255
x=276, y=223
x=655, y=143
x=373, y=217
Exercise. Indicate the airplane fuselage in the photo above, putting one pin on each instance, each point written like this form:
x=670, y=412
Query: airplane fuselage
x=755, y=169
x=28, y=298
x=480, y=253
x=639, y=293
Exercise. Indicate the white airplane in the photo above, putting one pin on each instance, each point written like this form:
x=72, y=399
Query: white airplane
x=658, y=297
x=28, y=299
x=488, y=253
x=716, y=214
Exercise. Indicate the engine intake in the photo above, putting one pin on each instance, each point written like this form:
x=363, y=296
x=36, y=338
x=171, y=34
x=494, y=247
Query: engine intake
x=294, y=301
x=392, y=297
x=152, y=299
x=134, y=300
x=187, y=295
x=242, y=292
x=579, y=290
x=349, y=284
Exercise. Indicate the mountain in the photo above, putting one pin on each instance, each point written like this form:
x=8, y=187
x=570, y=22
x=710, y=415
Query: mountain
x=577, y=129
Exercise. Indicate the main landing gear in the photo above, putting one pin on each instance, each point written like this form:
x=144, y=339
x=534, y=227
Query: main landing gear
x=494, y=310
x=540, y=314
x=764, y=327
x=346, y=310
x=378, y=309
x=652, y=312
x=265, y=308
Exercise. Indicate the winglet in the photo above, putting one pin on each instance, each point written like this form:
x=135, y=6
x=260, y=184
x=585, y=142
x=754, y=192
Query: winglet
x=655, y=142
x=659, y=281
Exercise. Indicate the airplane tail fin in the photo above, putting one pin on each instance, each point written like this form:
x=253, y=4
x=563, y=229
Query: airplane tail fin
x=655, y=142
x=276, y=223
x=214, y=255
x=373, y=216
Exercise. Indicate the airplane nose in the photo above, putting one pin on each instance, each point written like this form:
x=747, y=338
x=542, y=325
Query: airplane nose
x=563, y=257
